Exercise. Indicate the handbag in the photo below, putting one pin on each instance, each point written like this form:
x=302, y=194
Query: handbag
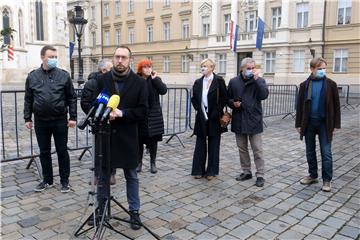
x=225, y=117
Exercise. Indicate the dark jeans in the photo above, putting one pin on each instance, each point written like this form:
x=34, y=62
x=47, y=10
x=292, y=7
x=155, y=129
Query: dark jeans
x=318, y=126
x=132, y=189
x=59, y=129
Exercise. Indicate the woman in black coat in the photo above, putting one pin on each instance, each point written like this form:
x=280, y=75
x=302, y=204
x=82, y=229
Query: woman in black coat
x=209, y=98
x=152, y=129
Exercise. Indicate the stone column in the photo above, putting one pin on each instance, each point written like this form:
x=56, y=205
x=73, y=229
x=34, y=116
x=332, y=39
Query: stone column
x=214, y=18
x=285, y=13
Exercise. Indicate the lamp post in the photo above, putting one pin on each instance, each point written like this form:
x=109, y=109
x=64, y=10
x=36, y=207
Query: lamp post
x=78, y=22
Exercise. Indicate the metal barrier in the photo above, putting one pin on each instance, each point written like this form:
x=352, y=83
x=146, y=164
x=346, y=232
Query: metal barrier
x=20, y=143
x=280, y=102
x=344, y=91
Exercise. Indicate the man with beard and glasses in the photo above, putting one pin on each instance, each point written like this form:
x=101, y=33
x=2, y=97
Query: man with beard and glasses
x=124, y=121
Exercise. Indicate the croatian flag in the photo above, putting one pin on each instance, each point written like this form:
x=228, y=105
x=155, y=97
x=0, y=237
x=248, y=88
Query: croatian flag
x=234, y=29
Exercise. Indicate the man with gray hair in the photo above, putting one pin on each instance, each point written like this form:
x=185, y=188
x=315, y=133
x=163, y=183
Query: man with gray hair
x=245, y=93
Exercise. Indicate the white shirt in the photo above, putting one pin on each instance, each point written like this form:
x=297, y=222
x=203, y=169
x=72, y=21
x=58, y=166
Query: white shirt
x=206, y=85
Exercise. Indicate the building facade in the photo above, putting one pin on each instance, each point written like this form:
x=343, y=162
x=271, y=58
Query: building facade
x=36, y=23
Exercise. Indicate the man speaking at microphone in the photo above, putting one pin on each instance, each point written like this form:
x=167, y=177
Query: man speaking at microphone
x=122, y=81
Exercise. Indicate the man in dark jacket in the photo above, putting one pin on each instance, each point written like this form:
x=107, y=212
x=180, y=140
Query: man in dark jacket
x=318, y=112
x=245, y=93
x=124, y=121
x=87, y=99
x=49, y=93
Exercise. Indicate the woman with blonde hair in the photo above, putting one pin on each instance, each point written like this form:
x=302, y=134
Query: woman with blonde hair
x=151, y=130
x=209, y=98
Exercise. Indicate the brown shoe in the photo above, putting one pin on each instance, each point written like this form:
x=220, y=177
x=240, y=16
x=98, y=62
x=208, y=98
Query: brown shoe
x=308, y=180
x=326, y=187
x=197, y=176
x=112, y=180
x=209, y=178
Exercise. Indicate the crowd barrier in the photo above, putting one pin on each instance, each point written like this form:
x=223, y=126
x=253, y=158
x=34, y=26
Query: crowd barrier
x=20, y=143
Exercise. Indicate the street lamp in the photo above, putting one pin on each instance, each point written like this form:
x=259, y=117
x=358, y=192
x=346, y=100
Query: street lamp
x=78, y=22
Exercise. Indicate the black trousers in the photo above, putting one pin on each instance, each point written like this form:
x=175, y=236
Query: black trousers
x=59, y=130
x=203, y=147
x=152, y=145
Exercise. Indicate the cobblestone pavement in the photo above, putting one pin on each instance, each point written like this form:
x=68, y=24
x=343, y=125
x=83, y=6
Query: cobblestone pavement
x=176, y=206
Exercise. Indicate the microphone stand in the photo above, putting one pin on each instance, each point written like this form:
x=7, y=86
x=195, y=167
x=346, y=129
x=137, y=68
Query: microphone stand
x=102, y=213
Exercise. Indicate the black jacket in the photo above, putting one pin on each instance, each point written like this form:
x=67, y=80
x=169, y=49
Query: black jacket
x=153, y=125
x=49, y=94
x=88, y=92
x=124, y=131
x=248, y=119
x=332, y=108
x=217, y=99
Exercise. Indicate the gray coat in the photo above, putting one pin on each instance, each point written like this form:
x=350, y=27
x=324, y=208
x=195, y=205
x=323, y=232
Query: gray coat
x=248, y=118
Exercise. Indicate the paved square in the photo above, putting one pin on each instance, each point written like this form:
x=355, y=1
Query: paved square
x=176, y=206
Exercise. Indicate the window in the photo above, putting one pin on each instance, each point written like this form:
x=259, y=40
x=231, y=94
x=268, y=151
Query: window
x=184, y=64
x=150, y=58
x=185, y=29
x=93, y=13
x=221, y=58
x=117, y=8
x=227, y=22
x=149, y=33
x=340, y=60
x=250, y=21
x=166, y=31
x=132, y=66
x=131, y=31
x=6, y=24
x=106, y=10
x=131, y=6
x=270, y=62
x=107, y=38
x=21, y=29
x=299, y=61
x=166, y=65
x=203, y=56
x=39, y=21
x=275, y=18
x=344, y=12
x=302, y=13
x=118, y=37
x=166, y=3
x=205, y=26
x=149, y=4
x=93, y=37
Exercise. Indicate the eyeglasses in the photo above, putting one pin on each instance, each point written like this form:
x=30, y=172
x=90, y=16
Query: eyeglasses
x=121, y=57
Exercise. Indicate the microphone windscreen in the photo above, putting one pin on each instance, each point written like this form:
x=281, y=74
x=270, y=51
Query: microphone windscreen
x=114, y=101
x=104, y=99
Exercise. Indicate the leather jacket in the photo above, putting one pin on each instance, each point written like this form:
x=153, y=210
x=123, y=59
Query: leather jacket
x=49, y=94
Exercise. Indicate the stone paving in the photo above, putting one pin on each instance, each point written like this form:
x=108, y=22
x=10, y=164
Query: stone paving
x=176, y=206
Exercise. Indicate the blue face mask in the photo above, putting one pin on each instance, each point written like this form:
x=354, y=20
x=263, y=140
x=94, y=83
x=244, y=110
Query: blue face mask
x=52, y=63
x=249, y=74
x=320, y=73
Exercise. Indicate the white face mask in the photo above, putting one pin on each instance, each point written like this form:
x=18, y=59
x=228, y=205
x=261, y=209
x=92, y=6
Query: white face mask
x=204, y=70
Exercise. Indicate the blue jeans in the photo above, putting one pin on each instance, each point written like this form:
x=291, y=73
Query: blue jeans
x=318, y=126
x=132, y=188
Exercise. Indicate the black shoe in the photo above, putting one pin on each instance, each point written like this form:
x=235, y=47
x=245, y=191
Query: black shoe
x=138, y=168
x=135, y=220
x=65, y=187
x=153, y=168
x=42, y=186
x=243, y=177
x=260, y=182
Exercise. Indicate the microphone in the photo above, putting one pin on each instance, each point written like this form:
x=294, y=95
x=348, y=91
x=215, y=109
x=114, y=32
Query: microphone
x=113, y=103
x=81, y=125
x=103, y=100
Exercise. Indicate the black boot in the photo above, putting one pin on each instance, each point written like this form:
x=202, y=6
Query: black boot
x=153, y=168
x=138, y=168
